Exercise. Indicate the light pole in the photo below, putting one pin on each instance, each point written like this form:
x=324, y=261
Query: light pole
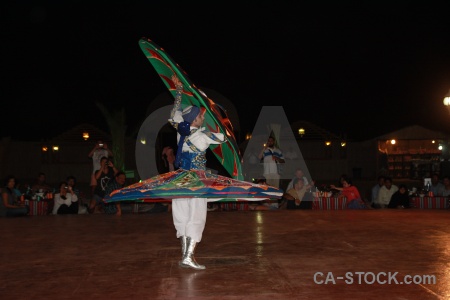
x=447, y=100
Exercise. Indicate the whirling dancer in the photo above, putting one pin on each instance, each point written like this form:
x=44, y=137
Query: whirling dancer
x=189, y=214
x=191, y=186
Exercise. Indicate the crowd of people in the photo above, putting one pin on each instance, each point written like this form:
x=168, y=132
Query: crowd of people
x=105, y=178
x=66, y=197
x=299, y=193
x=385, y=194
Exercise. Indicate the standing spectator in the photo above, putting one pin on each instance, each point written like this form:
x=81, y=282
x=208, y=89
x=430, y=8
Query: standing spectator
x=437, y=188
x=66, y=201
x=376, y=189
x=10, y=205
x=385, y=193
x=100, y=150
x=271, y=156
x=116, y=184
x=105, y=174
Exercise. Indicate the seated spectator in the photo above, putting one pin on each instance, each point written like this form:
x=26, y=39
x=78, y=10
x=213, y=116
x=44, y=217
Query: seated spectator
x=83, y=203
x=343, y=178
x=17, y=191
x=385, y=193
x=41, y=186
x=168, y=157
x=354, y=200
x=446, y=182
x=66, y=201
x=400, y=199
x=265, y=204
x=10, y=204
x=116, y=184
x=298, y=196
x=72, y=182
x=437, y=188
x=376, y=189
x=299, y=174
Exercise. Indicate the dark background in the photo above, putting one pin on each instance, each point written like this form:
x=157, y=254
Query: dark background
x=356, y=68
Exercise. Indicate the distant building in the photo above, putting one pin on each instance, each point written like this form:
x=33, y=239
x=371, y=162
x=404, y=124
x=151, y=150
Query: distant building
x=63, y=155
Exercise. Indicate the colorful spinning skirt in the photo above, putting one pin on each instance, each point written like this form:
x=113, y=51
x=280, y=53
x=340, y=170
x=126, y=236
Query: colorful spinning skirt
x=193, y=184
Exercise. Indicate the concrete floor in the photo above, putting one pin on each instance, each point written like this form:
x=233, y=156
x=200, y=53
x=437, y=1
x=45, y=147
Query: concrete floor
x=248, y=255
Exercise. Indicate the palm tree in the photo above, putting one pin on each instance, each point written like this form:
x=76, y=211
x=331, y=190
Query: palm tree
x=117, y=128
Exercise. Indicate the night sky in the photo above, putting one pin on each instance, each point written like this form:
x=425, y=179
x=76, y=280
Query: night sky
x=357, y=69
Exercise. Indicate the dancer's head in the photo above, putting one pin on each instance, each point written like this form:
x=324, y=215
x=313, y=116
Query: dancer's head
x=194, y=115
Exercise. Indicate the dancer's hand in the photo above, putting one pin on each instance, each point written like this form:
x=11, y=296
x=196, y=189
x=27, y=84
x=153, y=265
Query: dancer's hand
x=176, y=81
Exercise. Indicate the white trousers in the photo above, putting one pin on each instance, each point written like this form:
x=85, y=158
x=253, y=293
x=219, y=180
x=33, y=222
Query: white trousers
x=189, y=217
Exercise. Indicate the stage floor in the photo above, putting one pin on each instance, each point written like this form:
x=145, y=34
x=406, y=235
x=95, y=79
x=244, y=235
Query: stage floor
x=369, y=254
